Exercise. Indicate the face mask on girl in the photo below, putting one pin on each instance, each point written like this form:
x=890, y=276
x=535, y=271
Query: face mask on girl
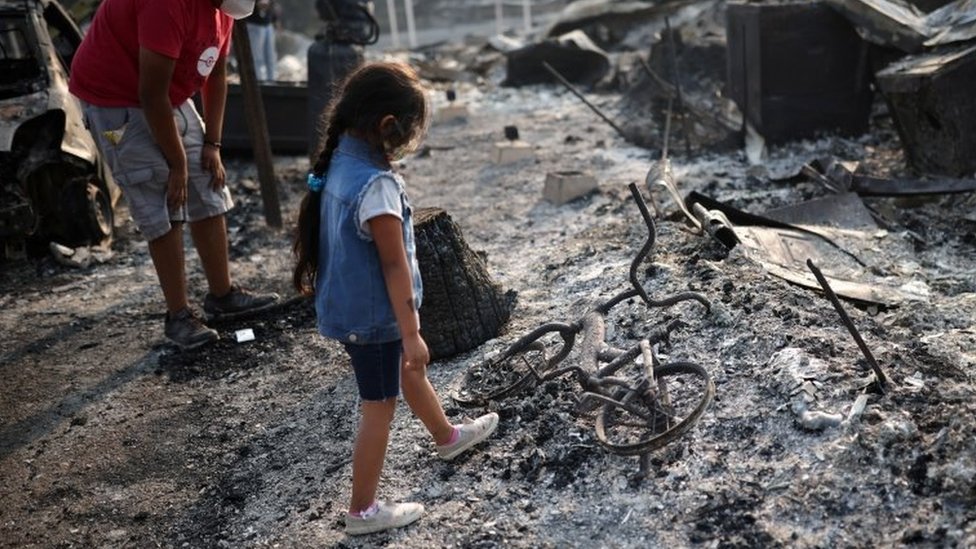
x=397, y=152
x=238, y=9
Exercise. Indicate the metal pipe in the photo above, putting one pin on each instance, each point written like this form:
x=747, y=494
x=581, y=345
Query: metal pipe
x=394, y=25
x=878, y=374
x=499, y=17
x=411, y=27
x=562, y=80
x=677, y=85
x=527, y=15
x=667, y=130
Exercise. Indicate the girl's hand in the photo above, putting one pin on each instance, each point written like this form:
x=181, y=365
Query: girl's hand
x=415, y=353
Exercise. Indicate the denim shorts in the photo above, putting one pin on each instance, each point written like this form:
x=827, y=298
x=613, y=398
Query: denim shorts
x=125, y=141
x=377, y=367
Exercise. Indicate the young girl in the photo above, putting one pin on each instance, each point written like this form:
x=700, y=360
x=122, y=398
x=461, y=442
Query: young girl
x=355, y=251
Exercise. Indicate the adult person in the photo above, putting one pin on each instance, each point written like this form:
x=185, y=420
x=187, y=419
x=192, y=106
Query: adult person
x=134, y=72
x=261, y=27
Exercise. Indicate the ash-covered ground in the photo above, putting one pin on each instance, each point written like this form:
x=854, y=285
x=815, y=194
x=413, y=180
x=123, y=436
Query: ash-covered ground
x=113, y=438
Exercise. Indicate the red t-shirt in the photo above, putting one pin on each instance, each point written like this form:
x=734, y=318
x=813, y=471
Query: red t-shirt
x=105, y=70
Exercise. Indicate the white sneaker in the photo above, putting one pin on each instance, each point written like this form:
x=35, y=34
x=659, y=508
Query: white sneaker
x=470, y=434
x=386, y=517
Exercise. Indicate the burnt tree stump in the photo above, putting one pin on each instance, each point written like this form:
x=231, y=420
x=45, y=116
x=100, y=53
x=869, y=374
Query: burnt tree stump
x=462, y=307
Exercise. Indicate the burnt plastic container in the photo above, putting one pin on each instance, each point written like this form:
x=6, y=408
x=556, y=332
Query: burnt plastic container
x=285, y=109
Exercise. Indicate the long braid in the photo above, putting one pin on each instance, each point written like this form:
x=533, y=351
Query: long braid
x=306, y=247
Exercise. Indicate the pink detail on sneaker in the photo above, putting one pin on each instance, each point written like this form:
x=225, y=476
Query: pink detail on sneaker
x=367, y=512
x=455, y=435
x=468, y=435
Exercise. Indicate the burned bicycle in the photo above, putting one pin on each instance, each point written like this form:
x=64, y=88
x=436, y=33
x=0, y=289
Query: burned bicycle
x=638, y=409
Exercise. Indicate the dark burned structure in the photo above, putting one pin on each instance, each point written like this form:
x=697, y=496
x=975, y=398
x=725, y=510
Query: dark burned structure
x=797, y=69
x=53, y=185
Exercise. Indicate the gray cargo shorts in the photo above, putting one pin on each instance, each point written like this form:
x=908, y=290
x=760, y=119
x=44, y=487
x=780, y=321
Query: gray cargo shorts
x=126, y=143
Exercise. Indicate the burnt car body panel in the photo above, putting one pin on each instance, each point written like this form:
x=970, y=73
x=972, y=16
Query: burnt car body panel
x=53, y=183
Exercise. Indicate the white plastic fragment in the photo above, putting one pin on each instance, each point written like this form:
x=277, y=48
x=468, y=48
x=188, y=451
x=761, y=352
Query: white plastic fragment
x=857, y=408
x=915, y=381
x=245, y=335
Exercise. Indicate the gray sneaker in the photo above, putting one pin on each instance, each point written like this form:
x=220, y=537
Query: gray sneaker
x=237, y=303
x=386, y=517
x=187, y=331
x=470, y=434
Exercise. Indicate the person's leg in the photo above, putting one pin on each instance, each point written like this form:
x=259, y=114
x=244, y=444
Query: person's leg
x=451, y=440
x=140, y=173
x=270, y=53
x=168, y=259
x=370, y=451
x=377, y=368
x=205, y=209
x=125, y=142
x=255, y=35
x=210, y=239
x=423, y=402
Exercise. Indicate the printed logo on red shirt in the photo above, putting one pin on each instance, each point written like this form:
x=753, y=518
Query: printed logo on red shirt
x=208, y=59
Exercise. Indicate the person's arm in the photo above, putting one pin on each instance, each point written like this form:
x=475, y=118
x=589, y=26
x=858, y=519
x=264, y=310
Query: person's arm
x=388, y=236
x=155, y=74
x=214, y=94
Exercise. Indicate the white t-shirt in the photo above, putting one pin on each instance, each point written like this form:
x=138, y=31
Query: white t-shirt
x=381, y=197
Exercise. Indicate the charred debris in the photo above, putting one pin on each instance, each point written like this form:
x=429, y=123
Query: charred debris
x=53, y=184
x=729, y=74
x=686, y=78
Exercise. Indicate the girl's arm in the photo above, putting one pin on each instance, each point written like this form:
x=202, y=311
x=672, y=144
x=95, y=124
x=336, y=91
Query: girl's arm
x=388, y=236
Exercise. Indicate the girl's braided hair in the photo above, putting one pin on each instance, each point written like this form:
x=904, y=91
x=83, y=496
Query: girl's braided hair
x=367, y=96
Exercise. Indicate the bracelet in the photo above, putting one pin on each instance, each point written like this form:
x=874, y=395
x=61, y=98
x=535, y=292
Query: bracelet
x=214, y=144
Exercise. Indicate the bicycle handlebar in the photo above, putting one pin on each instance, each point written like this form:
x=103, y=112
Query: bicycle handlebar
x=646, y=249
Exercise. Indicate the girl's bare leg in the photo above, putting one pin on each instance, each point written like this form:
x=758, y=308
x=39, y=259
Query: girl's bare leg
x=423, y=401
x=370, y=451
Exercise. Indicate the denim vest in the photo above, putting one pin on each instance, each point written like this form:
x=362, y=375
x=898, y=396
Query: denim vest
x=351, y=300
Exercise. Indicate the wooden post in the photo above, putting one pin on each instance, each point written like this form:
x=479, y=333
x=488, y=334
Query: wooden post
x=257, y=125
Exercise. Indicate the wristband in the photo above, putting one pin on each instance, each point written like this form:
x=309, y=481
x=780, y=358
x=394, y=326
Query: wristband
x=214, y=144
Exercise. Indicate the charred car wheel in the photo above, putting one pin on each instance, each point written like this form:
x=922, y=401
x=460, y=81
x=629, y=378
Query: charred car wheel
x=90, y=209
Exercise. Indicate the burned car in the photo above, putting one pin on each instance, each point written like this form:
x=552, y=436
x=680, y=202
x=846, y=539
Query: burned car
x=53, y=184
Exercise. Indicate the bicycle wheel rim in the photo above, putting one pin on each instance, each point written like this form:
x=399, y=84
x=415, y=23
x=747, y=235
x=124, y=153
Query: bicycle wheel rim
x=509, y=373
x=622, y=440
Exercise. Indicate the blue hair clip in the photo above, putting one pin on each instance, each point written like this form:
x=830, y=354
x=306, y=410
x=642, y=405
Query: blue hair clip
x=315, y=182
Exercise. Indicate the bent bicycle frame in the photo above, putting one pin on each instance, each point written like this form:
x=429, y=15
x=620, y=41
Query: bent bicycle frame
x=602, y=388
